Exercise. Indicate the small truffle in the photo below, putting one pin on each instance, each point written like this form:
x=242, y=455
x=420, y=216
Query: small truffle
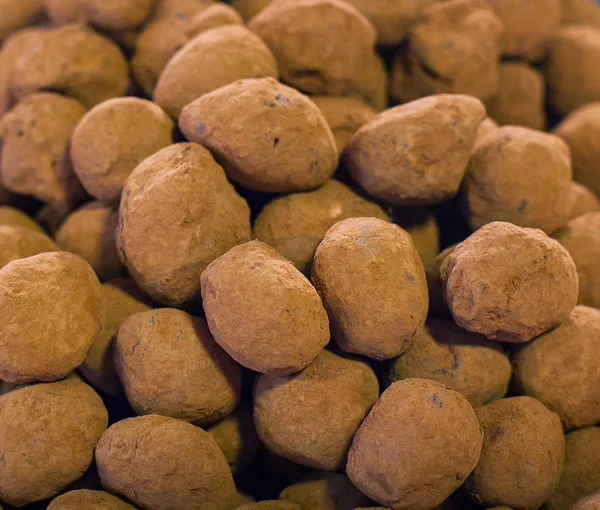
x=88, y=500
x=20, y=242
x=485, y=127
x=422, y=226
x=16, y=218
x=591, y=502
x=115, y=14
x=583, y=200
x=17, y=14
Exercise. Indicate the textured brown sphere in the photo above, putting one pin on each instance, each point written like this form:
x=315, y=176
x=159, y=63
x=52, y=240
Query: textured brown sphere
x=465, y=362
x=88, y=500
x=518, y=175
x=420, y=223
x=418, y=444
x=215, y=15
x=416, y=153
x=583, y=200
x=178, y=213
x=116, y=14
x=591, y=502
x=270, y=505
x=47, y=437
x=522, y=456
x=17, y=14
x=373, y=286
x=297, y=154
x=580, y=12
x=160, y=462
x=52, y=308
x=263, y=311
x=21, y=242
x=15, y=217
x=311, y=417
x=509, y=283
x=112, y=139
x=295, y=224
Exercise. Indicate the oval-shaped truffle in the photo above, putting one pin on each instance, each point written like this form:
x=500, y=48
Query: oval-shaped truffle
x=311, y=417
x=116, y=14
x=20, y=242
x=583, y=200
x=15, y=217
x=178, y=213
x=88, y=499
x=297, y=151
x=418, y=444
x=416, y=153
x=17, y=14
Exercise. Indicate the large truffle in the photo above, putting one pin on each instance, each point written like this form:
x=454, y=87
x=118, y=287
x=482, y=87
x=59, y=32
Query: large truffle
x=88, y=500
x=20, y=242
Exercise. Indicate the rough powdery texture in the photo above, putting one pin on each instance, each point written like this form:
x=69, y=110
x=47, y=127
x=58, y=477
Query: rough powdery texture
x=20, y=242
x=263, y=311
x=178, y=213
x=416, y=153
x=88, y=500
x=509, y=283
x=373, y=286
x=418, y=444
x=591, y=502
x=268, y=137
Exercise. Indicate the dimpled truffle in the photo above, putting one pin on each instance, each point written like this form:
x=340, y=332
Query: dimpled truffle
x=468, y=363
x=231, y=53
x=562, y=369
x=47, y=346
x=522, y=456
x=591, y=502
x=160, y=462
x=509, y=283
x=268, y=137
x=169, y=364
x=518, y=175
x=373, y=286
x=178, y=213
x=20, y=242
x=17, y=14
x=15, y=217
x=310, y=417
x=47, y=437
x=115, y=14
x=88, y=500
x=295, y=224
x=416, y=153
x=112, y=139
x=582, y=201
x=263, y=311
x=432, y=443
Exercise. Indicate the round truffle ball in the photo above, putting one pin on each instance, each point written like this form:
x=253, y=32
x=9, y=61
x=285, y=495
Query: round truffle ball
x=518, y=175
x=416, y=153
x=488, y=124
x=15, y=217
x=580, y=12
x=418, y=444
x=270, y=505
x=170, y=365
x=90, y=233
x=297, y=151
x=88, y=499
x=373, y=286
x=591, y=502
x=311, y=417
x=522, y=456
x=583, y=200
x=17, y=14
x=160, y=462
x=422, y=226
x=116, y=14
x=215, y=15
x=20, y=242
x=112, y=139
x=263, y=311
x=178, y=213
x=52, y=307
x=47, y=437
x=295, y=224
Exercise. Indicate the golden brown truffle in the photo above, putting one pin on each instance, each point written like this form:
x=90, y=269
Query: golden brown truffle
x=373, y=286
x=216, y=15
x=15, y=217
x=487, y=125
x=178, y=213
x=582, y=201
x=522, y=455
x=295, y=151
x=17, y=14
x=112, y=139
x=420, y=223
x=263, y=311
x=518, y=175
x=62, y=12
x=36, y=346
x=416, y=153
x=88, y=500
x=170, y=365
x=160, y=462
x=418, y=444
x=295, y=224
x=509, y=283
x=47, y=437
x=310, y=417
x=580, y=12
x=20, y=242
x=270, y=505
x=115, y=14
x=591, y=502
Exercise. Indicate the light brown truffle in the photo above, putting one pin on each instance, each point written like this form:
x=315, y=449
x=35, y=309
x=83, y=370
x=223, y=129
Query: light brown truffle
x=270, y=505
x=35, y=158
x=178, y=213
x=62, y=12
x=373, y=286
x=90, y=233
x=372, y=83
x=295, y=224
x=582, y=201
x=487, y=125
x=17, y=14
x=170, y=365
x=295, y=150
x=580, y=12
x=216, y=15
x=47, y=437
x=591, y=502
x=422, y=226
x=432, y=443
x=112, y=139
x=520, y=100
x=160, y=462
x=263, y=311
x=230, y=52
x=522, y=455
x=465, y=362
x=518, y=175
x=36, y=346
x=311, y=417
x=15, y=217
x=417, y=153
x=20, y=242
x=88, y=500
x=116, y=14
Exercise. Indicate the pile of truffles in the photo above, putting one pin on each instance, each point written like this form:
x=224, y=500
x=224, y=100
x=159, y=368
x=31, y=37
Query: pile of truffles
x=300, y=254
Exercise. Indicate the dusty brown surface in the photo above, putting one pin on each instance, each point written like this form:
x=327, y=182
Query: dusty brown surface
x=583, y=201
x=21, y=242
x=88, y=500
x=18, y=14
x=15, y=217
